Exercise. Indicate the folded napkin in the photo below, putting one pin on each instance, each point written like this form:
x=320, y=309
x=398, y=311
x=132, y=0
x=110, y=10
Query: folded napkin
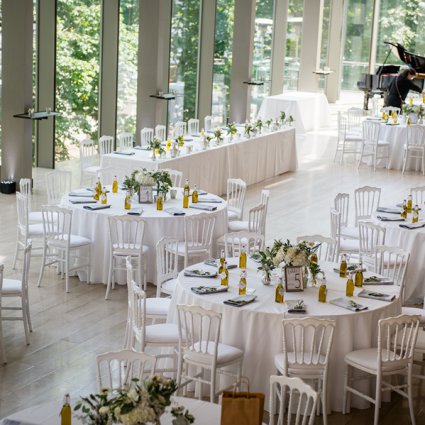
x=174, y=211
x=349, y=304
x=389, y=210
x=350, y=268
x=81, y=194
x=188, y=139
x=96, y=207
x=124, y=153
x=241, y=300
x=203, y=207
x=200, y=192
x=199, y=273
x=143, y=148
x=376, y=295
x=203, y=290
x=412, y=226
x=375, y=280
x=256, y=257
x=136, y=211
x=211, y=262
x=383, y=218
x=83, y=201
x=296, y=306
x=209, y=201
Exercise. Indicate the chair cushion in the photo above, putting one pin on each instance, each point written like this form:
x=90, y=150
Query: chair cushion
x=75, y=241
x=36, y=229
x=349, y=245
x=162, y=333
x=232, y=215
x=169, y=286
x=353, y=135
x=35, y=216
x=368, y=358
x=225, y=353
x=350, y=232
x=92, y=169
x=157, y=306
x=413, y=310
x=414, y=147
x=383, y=143
x=192, y=250
x=125, y=249
x=238, y=226
x=300, y=369
x=11, y=286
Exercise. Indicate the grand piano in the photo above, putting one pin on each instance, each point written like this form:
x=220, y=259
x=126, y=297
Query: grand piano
x=378, y=83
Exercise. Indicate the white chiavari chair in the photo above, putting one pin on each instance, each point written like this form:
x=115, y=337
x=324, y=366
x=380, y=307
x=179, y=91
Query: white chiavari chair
x=106, y=145
x=233, y=243
x=236, y=189
x=176, y=177
x=326, y=249
x=58, y=183
x=146, y=136
x=160, y=132
x=370, y=236
x=372, y=145
x=193, y=126
x=414, y=148
x=89, y=160
x=125, y=141
x=342, y=204
x=366, y=201
x=418, y=195
x=25, y=187
x=166, y=266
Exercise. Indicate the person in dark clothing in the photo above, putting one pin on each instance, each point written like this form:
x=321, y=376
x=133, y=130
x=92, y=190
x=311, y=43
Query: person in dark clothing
x=400, y=87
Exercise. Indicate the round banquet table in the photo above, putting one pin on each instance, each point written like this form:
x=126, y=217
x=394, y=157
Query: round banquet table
x=256, y=327
x=94, y=225
x=396, y=135
x=412, y=241
x=48, y=413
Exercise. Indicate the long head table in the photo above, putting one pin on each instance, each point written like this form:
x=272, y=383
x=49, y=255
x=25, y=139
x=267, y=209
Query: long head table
x=256, y=328
x=252, y=160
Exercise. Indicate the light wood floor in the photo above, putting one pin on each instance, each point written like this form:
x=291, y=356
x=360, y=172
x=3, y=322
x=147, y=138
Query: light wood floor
x=70, y=329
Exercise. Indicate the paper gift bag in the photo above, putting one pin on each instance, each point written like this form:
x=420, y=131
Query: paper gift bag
x=242, y=408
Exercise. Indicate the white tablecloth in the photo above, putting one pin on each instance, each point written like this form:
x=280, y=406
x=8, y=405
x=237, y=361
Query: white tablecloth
x=256, y=327
x=48, y=413
x=412, y=241
x=309, y=110
x=94, y=225
x=253, y=160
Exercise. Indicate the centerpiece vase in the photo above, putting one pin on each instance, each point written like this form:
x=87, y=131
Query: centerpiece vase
x=153, y=157
x=266, y=279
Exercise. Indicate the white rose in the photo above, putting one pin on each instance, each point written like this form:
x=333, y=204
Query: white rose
x=117, y=411
x=132, y=395
x=104, y=410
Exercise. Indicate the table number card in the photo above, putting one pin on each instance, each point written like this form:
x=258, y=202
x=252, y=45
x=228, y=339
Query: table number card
x=294, y=279
x=145, y=195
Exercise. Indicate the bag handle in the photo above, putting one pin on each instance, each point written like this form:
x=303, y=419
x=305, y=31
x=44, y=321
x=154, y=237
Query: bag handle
x=244, y=379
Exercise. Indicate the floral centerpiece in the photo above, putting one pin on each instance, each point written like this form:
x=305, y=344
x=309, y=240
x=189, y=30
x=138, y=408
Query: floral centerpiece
x=218, y=134
x=231, y=130
x=248, y=129
x=259, y=125
x=282, y=117
x=180, y=141
x=282, y=254
x=290, y=120
x=139, y=403
x=155, y=145
x=269, y=122
x=159, y=178
x=415, y=112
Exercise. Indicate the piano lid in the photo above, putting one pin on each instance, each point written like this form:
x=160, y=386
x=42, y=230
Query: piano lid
x=411, y=59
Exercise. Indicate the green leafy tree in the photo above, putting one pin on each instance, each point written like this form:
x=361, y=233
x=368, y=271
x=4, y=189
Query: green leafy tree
x=77, y=72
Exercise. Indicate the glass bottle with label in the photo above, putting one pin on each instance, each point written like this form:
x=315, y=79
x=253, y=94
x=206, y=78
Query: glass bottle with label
x=358, y=279
x=195, y=195
x=280, y=292
x=343, y=267
x=66, y=413
x=127, y=201
x=98, y=190
x=404, y=209
x=409, y=204
x=186, y=191
x=224, y=274
x=349, y=290
x=242, y=283
x=323, y=291
x=115, y=185
x=222, y=258
x=242, y=257
x=159, y=202
x=415, y=217
x=103, y=197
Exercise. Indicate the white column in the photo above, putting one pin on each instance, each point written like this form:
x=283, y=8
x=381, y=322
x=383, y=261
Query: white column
x=336, y=50
x=310, y=45
x=206, y=59
x=243, y=36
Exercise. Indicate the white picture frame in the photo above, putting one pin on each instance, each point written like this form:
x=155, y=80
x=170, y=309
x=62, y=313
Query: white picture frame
x=294, y=279
x=145, y=195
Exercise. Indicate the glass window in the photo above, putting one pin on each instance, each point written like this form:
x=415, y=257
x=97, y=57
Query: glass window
x=400, y=22
x=222, y=69
x=358, y=27
x=261, y=65
x=291, y=68
x=184, y=59
x=77, y=74
x=127, y=66
x=324, y=49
